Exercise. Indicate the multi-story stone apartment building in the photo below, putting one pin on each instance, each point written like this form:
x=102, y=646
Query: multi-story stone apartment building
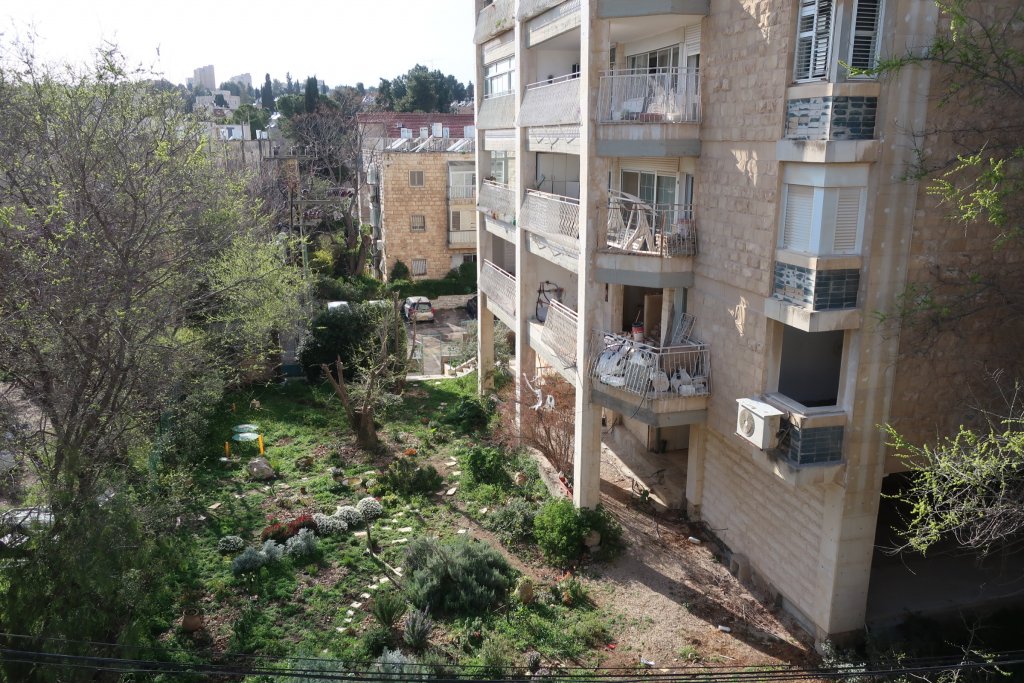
x=420, y=194
x=690, y=210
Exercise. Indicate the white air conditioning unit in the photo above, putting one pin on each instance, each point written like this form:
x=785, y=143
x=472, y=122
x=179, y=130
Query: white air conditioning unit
x=758, y=422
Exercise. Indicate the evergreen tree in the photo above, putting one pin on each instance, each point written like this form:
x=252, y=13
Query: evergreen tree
x=267, y=94
x=312, y=95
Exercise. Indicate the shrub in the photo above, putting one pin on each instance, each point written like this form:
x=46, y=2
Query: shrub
x=498, y=657
x=230, y=544
x=601, y=521
x=513, y=522
x=405, y=478
x=388, y=608
x=469, y=414
x=486, y=465
x=418, y=626
x=349, y=515
x=399, y=271
x=272, y=551
x=375, y=640
x=456, y=577
x=369, y=509
x=248, y=562
x=302, y=544
x=281, y=532
x=393, y=665
x=560, y=530
x=329, y=525
x=334, y=334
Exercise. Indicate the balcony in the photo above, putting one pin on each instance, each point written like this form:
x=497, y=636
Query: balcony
x=551, y=102
x=617, y=9
x=554, y=217
x=500, y=288
x=661, y=386
x=497, y=112
x=497, y=200
x=815, y=293
x=531, y=8
x=494, y=19
x=559, y=332
x=462, y=239
x=555, y=139
x=550, y=19
x=647, y=246
x=466, y=193
x=670, y=95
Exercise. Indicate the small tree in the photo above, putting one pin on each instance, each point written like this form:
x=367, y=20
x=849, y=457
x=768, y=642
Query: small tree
x=543, y=420
x=371, y=509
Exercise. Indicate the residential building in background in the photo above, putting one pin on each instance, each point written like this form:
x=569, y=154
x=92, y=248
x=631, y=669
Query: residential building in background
x=244, y=80
x=691, y=212
x=203, y=77
x=420, y=193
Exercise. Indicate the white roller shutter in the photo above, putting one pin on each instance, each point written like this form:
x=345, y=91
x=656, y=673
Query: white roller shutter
x=847, y=220
x=796, y=229
x=665, y=165
x=691, y=40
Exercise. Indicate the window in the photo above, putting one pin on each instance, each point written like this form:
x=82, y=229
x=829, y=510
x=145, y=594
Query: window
x=651, y=62
x=503, y=166
x=419, y=266
x=498, y=77
x=864, y=46
x=461, y=180
x=823, y=208
x=810, y=367
x=814, y=31
x=415, y=178
x=469, y=258
x=463, y=221
x=418, y=223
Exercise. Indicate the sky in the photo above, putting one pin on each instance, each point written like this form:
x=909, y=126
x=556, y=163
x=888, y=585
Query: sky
x=340, y=41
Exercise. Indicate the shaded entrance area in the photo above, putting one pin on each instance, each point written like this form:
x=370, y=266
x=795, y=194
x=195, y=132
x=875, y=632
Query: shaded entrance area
x=947, y=581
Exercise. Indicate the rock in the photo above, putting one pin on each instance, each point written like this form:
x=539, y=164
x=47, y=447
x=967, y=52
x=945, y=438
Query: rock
x=593, y=539
x=260, y=469
x=524, y=591
x=519, y=478
x=305, y=462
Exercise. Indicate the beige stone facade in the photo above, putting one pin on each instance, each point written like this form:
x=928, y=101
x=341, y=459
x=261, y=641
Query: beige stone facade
x=416, y=212
x=723, y=119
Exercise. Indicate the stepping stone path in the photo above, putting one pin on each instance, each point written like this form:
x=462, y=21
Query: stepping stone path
x=451, y=491
x=405, y=530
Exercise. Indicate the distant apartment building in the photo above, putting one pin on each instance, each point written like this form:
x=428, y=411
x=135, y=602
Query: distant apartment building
x=691, y=211
x=420, y=194
x=203, y=77
x=244, y=80
x=209, y=104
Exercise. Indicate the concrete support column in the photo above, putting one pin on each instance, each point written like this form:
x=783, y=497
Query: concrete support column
x=695, y=472
x=484, y=240
x=595, y=45
x=613, y=320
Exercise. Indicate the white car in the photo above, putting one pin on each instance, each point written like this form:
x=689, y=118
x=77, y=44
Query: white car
x=342, y=306
x=419, y=309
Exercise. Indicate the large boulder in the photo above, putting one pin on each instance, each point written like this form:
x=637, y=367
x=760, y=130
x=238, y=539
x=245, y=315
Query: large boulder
x=260, y=470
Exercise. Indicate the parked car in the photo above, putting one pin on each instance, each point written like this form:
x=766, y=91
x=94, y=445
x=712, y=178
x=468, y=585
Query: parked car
x=472, y=306
x=342, y=306
x=418, y=308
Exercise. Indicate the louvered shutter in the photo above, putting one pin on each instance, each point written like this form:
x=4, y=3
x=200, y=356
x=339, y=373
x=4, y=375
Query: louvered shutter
x=796, y=230
x=847, y=220
x=822, y=38
x=691, y=40
x=864, y=48
x=814, y=33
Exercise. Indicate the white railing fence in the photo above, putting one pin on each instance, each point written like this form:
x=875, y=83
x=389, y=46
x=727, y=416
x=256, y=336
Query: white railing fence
x=559, y=333
x=462, y=238
x=499, y=286
x=669, y=95
x=461, y=191
x=551, y=102
x=650, y=371
x=498, y=200
x=634, y=226
x=553, y=216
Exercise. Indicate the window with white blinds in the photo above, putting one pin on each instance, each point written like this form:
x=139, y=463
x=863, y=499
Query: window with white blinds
x=796, y=229
x=822, y=220
x=864, y=44
x=814, y=33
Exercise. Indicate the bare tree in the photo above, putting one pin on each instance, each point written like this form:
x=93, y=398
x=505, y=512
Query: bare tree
x=543, y=420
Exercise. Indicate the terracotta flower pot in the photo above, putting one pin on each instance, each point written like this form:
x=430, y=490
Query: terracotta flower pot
x=191, y=620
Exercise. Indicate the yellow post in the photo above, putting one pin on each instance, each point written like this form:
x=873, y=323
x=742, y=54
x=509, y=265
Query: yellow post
x=227, y=449
x=260, y=442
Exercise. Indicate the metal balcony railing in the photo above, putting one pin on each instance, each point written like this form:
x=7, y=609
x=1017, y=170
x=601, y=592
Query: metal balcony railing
x=551, y=102
x=499, y=286
x=652, y=372
x=559, y=332
x=669, y=95
x=461, y=191
x=498, y=200
x=637, y=227
x=427, y=144
x=462, y=238
x=553, y=216
x=497, y=111
x=495, y=18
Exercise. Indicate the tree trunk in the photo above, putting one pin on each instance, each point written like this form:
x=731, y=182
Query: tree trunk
x=366, y=432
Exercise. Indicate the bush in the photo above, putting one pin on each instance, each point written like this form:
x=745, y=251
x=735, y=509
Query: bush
x=513, y=522
x=282, y=531
x=375, y=640
x=418, y=626
x=399, y=271
x=302, y=544
x=498, y=657
x=341, y=334
x=469, y=414
x=456, y=577
x=230, y=544
x=250, y=561
x=392, y=665
x=369, y=509
x=486, y=465
x=388, y=608
x=405, y=478
x=349, y=515
x=560, y=530
x=329, y=525
x=272, y=551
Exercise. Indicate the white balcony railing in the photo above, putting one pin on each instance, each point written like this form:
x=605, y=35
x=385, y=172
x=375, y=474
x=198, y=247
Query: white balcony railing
x=670, y=95
x=497, y=200
x=551, y=102
x=497, y=111
x=499, y=286
x=462, y=238
x=553, y=216
x=461, y=191
x=495, y=18
x=636, y=227
x=652, y=372
x=531, y=8
x=427, y=144
x=559, y=333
